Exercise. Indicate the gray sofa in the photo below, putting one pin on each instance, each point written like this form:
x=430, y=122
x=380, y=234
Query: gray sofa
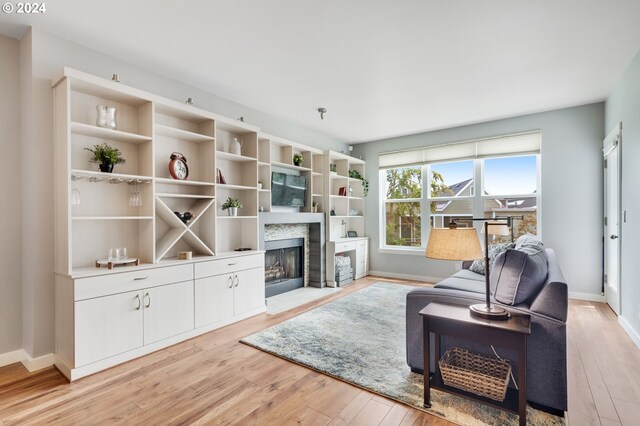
x=546, y=346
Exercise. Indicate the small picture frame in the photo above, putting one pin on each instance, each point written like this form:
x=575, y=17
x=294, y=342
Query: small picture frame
x=352, y=234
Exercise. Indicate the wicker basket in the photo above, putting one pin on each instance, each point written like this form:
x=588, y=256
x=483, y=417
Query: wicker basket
x=475, y=373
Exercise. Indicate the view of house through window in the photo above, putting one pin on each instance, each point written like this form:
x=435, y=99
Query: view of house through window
x=481, y=187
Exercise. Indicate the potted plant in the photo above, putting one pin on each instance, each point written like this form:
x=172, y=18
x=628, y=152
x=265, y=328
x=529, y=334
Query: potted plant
x=365, y=183
x=298, y=159
x=232, y=204
x=333, y=168
x=106, y=156
x=259, y=183
x=314, y=207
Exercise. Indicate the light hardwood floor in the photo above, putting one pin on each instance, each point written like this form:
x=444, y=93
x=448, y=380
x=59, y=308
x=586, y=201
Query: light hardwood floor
x=213, y=379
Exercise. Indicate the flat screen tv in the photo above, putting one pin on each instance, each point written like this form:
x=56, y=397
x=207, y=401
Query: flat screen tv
x=288, y=190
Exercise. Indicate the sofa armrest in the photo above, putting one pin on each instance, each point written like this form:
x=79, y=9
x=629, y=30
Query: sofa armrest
x=552, y=301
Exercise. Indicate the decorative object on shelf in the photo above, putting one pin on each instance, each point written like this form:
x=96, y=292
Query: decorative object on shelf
x=184, y=255
x=342, y=191
x=117, y=262
x=333, y=211
x=241, y=119
x=178, y=168
x=115, y=77
x=261, y=209
x=235, y=146
x=333, y=169
x=189, y=101
x=184, y=217
x=352, y=234
x=351, y=150
x=106, y=117
x=455, y=243
x=354, y=212
x=220, y=177
x=343, y=224
x=106, y=156
x=75, y=194
x=365, y=183
x=259, y=184
x=232, y=204
x=298, y=160
x=350, y=191
x=314, y=207
x=322, y=112
x=243, y=249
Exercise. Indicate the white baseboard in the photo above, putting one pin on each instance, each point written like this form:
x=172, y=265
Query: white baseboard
x=31, y=364
x=586, y=296
x=35, y=364
x=11, y=357
x=406, y=276
x=633, y=334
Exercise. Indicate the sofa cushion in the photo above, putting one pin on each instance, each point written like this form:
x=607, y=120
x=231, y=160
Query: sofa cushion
x=455, y=283
x=494, y=250
x=518, y=275
x=468, y=275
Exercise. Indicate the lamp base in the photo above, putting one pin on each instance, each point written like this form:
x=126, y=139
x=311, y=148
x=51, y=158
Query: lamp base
x=493, y=312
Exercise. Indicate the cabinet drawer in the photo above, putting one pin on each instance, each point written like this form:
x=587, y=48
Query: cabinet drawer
x=228, y=264
x=362, y=244
x=86, y=288
x=347, y=246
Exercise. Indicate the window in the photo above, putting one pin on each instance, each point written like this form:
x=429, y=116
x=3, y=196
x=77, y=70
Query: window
x=488, y=178
x=403, y=197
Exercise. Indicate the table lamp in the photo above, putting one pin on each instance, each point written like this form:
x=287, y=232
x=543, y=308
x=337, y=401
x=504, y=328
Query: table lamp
x=455, y=243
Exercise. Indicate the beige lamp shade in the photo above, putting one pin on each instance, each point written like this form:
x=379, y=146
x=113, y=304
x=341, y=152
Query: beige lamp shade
x=453, y=244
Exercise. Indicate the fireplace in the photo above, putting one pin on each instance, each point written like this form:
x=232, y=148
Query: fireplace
x=283, y=265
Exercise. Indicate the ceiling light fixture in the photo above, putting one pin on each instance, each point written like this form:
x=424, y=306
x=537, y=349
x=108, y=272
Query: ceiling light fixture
x=322, y=112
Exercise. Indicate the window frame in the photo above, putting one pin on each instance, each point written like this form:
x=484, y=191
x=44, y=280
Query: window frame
x=478, y=199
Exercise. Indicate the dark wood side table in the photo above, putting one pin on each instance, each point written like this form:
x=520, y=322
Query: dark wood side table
x=456, y=321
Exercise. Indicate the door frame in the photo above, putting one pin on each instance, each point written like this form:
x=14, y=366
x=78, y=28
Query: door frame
x=612, y=141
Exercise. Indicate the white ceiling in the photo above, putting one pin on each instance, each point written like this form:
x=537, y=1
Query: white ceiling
x=381, y=68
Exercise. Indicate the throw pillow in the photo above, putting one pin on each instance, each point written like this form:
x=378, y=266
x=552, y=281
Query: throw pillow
x=518, y=275
x=494, y=250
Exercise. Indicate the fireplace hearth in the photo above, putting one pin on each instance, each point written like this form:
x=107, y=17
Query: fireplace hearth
x=283, y=265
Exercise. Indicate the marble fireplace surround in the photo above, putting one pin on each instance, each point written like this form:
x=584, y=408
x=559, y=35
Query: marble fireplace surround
x=296, y=225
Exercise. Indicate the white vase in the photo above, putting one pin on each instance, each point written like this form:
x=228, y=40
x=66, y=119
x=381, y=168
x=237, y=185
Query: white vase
x=235, y=146
x=233, y=211
x=106, y=117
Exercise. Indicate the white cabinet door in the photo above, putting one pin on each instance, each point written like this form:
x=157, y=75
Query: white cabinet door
x=362, y=258
x=168, y=311
x=107, y=326
x=214, y=299
x=248, y=290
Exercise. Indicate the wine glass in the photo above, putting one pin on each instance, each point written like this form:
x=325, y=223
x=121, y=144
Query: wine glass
x=75, y=194
x=114, y=254
x=122, y=255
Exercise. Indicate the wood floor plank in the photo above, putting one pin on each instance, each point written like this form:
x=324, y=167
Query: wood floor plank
x=371, y=414
x=395, y=416
x=214, y=379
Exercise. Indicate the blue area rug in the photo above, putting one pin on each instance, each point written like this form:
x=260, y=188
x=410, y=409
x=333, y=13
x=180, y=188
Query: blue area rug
x=360, y=339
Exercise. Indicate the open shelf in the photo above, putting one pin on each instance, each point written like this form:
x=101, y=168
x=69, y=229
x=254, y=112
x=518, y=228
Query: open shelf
x=290, y=166
x=106, y=133
x=112, y=218
x=185, y=135
x=221, y=155
x=170, y=181
x=239, y=187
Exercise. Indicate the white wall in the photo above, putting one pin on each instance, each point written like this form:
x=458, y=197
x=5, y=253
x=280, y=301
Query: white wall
x=624, y=105
x=571, y=191
x=11, y=195
x=42, y=58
